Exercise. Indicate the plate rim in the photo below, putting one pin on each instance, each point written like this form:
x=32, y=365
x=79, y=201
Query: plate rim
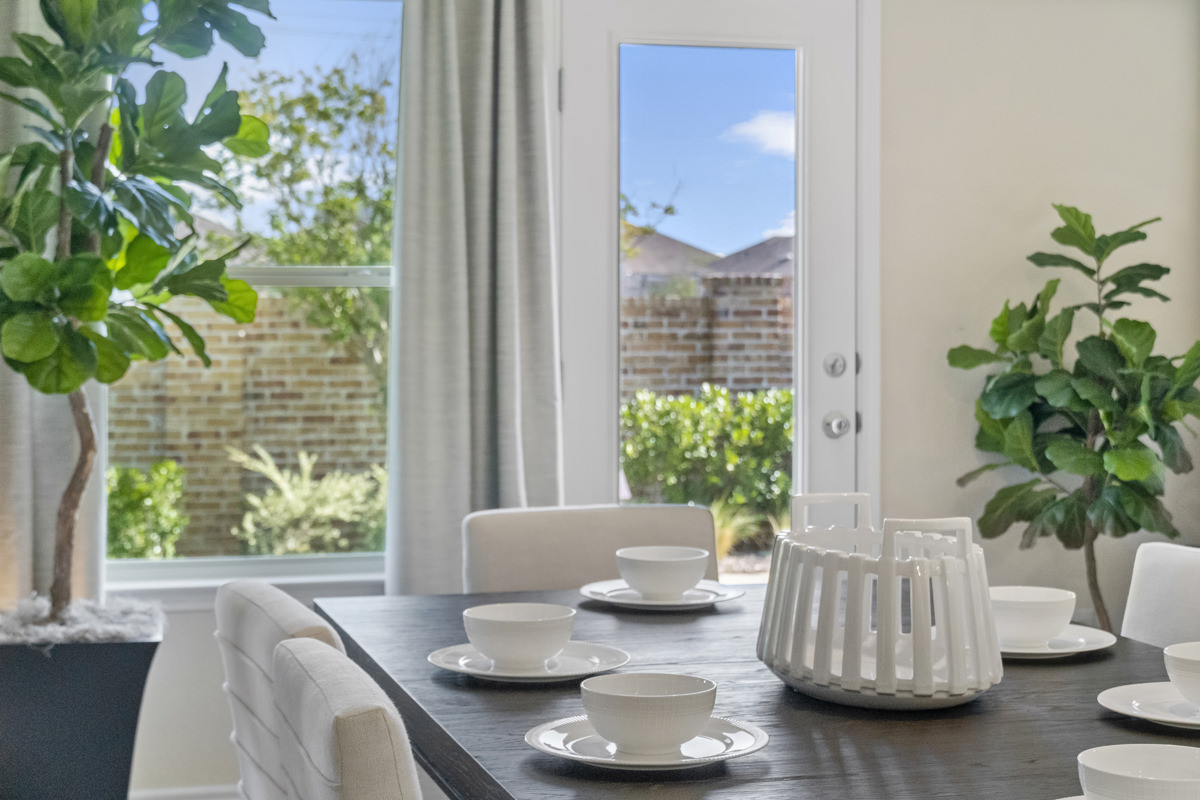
x=619, y=656
x=722, y=593
x=761, y=739
x=1103, y=641
x=1130, y=711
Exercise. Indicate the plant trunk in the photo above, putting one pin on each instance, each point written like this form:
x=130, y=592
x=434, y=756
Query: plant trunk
x=68, y=508
x=1090, y=534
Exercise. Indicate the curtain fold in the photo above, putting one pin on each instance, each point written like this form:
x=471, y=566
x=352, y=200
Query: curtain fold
x=475, y=397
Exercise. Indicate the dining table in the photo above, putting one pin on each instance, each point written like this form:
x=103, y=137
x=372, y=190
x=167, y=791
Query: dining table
x=1017, y=741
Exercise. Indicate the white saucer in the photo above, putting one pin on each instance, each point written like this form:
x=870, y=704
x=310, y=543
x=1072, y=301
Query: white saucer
x=618, y=593
x=578, y=659
x=1157, y=702
x=575, y=739
x=1074, y=639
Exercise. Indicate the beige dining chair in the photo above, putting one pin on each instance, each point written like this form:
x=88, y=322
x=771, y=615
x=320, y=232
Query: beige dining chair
x=252, y=618
x=1164, y=595
x=340, y=737
x=565, y=547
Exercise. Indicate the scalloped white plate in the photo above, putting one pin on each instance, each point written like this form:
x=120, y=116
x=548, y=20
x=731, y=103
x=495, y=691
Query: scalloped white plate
x=577, y=660
x=618, y=593
x=1074, y=639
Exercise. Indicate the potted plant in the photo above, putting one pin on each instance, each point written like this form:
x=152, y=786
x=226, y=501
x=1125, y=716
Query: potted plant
x=1094, y=433
x=96, y=238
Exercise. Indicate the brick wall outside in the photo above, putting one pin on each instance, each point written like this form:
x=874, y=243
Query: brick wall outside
x=738, y=333
x=279, y=384
x=275, y=382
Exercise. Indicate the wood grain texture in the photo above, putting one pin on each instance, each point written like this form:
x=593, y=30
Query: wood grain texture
x=1018, y=741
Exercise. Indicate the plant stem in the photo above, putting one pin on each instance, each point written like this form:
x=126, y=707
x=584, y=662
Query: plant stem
x=68, y=509
x=66, y=166
x=99, y=160
x=1090, y=534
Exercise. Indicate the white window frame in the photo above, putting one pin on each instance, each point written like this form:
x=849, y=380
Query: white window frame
x=144, y=575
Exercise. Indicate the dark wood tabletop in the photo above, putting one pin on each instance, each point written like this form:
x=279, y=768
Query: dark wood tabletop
x=1017, y=741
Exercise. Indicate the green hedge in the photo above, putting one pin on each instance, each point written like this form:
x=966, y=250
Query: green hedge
x=145, y=510
x=716, y=445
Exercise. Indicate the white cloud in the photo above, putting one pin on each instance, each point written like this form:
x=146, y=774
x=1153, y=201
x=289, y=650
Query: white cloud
x=786, y=227
x=772, y=132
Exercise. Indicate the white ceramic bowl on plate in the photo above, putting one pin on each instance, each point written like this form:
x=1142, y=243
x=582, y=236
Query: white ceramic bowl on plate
x=1140, y=772
x=1030, y=616
x=659, y=572
x=517, y=636
x=1183, y=668
x=648, y=713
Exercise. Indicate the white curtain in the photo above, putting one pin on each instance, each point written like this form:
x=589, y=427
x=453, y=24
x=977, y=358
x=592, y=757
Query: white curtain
x=475, y=394
x=38, y=445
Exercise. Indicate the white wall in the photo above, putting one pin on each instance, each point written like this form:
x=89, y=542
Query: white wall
x=993, y=110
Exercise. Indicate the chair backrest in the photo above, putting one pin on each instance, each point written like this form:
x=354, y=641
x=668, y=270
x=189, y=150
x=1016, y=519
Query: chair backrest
x=565, y=547
x=253, y=617
x=1164, y=595
x=340, y=736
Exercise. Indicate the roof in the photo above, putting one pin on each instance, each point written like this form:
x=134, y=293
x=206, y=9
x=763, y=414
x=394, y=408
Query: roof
x=772, y=256
x=659, y=254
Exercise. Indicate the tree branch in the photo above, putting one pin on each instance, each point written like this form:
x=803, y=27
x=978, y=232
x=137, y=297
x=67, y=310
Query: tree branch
x=68, y=508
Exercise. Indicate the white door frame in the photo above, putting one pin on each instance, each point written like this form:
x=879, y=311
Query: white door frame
x=867, y=442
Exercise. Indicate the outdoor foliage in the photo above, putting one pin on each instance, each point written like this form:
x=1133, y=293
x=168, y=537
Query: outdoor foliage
x=1096, y=432
x=96, y=230
x=710, y=447
x=145, y=510
x=337, y=513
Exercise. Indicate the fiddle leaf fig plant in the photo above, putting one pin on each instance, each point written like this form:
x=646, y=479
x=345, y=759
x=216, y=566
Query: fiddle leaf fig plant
x=1096, y=429
x=96, y=230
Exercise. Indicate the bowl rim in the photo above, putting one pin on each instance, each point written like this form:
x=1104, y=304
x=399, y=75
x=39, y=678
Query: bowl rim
x=662, y=553
x=1022, y=593
x=551, y=612
x=599, y=680
x=1086, y=762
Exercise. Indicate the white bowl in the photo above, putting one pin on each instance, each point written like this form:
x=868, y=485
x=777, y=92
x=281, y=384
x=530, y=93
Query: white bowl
x=519, y=636
x=659, y=572
x=1140, y=772
x=1030, y=616
x=1183, y=668
x=648, y=713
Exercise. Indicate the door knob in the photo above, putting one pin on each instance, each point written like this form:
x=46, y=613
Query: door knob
x=835, y=424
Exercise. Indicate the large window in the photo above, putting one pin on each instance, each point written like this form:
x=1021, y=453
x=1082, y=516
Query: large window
x=278, y=448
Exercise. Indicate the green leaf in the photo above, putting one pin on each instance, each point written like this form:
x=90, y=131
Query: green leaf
x=990, y=437
x=1101, y=357
x=1092, y=392
x=189, y=333
x=1019, y=503
x=1008, y=395
x=1074, y=457
x=35, y=216
x=138, y=335
x=1057, y=388
x=29, y=336
x=1188, y=371
x=219, y=122
x=233, y=26
x=1018, y=441
x=84, y=287
x=963, y=480
x=967, y=357
x=202, y=280
x=1135, y=462
x=1146, y=510
x=144, y=260
x=252, y=139
x=27, y=278
x=89, y=205
x=242, y=301
x=165, y=95
x=148, y=207
x=1064, y=519
x=1078, y=231
x=112, y=362
x=1056, y=260
x=79, y=101
x=1130, y=277
x=32, y=106
x=1134, y=339
x=1105, y=245
x=67, y=368
x=1174, y=453
x=1054, y=336
x=1108, y=514
x=17, y=72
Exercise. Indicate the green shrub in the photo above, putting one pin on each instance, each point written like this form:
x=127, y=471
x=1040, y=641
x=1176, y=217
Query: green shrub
x=337, y=513
x=145, y=510
x=709, y=447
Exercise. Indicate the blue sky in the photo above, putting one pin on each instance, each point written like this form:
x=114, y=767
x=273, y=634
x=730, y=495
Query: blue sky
x=708, y=129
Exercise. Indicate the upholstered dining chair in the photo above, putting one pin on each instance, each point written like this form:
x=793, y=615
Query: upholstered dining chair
x=1164, y=595
x=252, y=618
x=565, y=547
x=340, y=737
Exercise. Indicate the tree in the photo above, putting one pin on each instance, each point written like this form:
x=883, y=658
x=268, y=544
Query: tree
x=330, y=180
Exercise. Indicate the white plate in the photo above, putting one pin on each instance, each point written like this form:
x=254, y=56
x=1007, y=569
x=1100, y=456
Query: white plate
x=575, y=739
x=618, y=593
x=1157, y=702
x=577, y=660
x=1074, y=639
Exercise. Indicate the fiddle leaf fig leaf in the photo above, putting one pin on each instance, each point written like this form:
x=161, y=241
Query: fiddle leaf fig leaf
x=1133, y=462
x=1188, y=371
x=27, y=278
x=1101, y=357
x=1105, y=245
x=963, y=480
x=1064, y=519
x=1057, y=260
x=29, y=336
x=1054, y=336
x=1058, y=390
x=967, y=357
x=189, y=333
x=1134, y=339
x=1128, y=278
x=1012, y=504
x=1008, y=395
x=1146, y=510
x=166, y=93
x=67, y=368
x=137, y=335
x=85, y=284
x=990, y=437
x=241, y=303
x=144, y=260
x=252, y=139
x=1092, y=392
x=1018, y=441
x=1077, y=231
x=1108, y=514
x=1073, y=456
x=111, y=361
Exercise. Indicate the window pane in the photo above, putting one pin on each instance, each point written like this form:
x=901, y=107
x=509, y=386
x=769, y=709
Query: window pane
x=708, y=187
x=314, y=408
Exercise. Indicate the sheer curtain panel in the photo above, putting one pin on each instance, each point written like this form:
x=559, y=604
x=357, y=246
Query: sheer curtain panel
x=475, y=393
